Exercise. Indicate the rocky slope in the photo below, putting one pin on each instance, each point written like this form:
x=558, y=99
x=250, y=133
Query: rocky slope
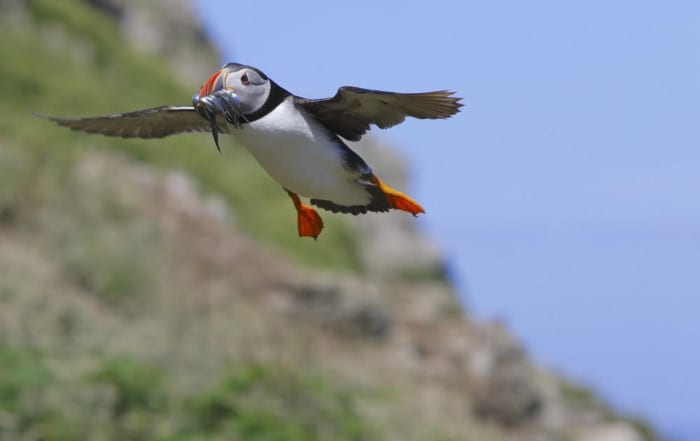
x=137, y=303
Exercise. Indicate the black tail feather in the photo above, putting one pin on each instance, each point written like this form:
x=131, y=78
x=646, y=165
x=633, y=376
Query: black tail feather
x=378, y=203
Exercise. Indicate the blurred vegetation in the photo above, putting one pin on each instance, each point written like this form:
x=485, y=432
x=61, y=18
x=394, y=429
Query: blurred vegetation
x=68, y=59
x=65, y=58
x=59, y=380
x=260, y=402
x=126, y=398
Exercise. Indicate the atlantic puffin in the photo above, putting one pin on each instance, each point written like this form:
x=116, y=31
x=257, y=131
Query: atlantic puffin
x=298, y=141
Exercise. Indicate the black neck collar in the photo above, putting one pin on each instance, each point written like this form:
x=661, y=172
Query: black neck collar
x=277, y=95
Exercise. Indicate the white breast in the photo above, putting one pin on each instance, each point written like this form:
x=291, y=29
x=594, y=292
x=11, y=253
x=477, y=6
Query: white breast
x=301, y=155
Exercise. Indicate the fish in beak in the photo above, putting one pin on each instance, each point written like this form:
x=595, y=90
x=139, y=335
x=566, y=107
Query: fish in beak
x=215, y=99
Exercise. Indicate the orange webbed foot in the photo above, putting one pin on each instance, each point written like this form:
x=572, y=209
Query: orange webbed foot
x=309, y=223
x=398, y=200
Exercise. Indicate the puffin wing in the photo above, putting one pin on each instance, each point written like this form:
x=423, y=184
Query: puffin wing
x=352, y=110
x=156, y=122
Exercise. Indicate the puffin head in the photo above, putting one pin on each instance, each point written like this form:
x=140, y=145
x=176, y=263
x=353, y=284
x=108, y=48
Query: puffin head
x=248, y=88
x=239, y=93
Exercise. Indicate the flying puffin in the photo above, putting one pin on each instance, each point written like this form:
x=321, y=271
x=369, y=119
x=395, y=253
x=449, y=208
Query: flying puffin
x=298, y=141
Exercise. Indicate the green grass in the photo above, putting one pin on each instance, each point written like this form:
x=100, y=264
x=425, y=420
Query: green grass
x=70, y=61
x=127, y=398
x=259, y=402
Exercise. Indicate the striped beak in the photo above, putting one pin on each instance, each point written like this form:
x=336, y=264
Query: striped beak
x=214, y=99
x=214, y=83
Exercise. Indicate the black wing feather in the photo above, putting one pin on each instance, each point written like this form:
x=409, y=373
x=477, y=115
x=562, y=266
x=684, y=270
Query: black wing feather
x=352, y=110
x=156, y=122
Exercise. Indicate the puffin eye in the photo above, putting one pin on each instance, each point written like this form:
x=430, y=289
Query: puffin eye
x=244, y=80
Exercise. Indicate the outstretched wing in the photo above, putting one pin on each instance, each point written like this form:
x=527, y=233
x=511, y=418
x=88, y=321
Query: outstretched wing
x=148, y=123
x=352, y=110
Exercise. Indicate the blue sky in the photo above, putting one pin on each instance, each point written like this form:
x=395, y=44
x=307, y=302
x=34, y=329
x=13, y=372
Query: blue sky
x=566, y=192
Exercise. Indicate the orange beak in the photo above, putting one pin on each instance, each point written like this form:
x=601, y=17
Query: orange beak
x=214, y=83
x=213, y=100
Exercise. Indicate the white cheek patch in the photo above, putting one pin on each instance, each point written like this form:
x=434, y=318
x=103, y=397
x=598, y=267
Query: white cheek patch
x=253, y=97
x=254, y=78
x=232, y=81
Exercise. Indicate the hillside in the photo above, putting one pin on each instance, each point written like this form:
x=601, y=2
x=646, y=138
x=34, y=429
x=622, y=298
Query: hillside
x=156, y=290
